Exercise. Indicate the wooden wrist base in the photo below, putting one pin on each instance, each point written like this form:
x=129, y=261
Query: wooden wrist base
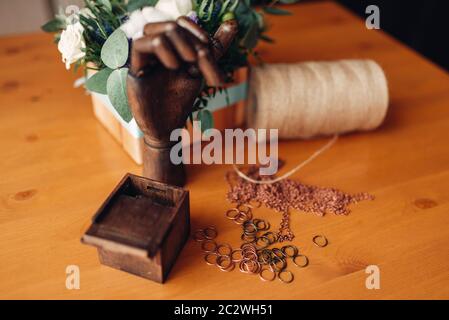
x=158, y=166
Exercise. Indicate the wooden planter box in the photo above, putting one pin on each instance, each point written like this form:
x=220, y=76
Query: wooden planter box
x=141, y=227
x=131, y=138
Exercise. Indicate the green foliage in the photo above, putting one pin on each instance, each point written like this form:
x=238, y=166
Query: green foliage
x=102, y=20
x=252, y=27
x=116, y=88
x=98, y=82
x=114, y=52
x=55, y=25
x=107, y=47
x=106, y=4
x=251, y=37
x=139, y=4
x=212, y=12
x=206, y=118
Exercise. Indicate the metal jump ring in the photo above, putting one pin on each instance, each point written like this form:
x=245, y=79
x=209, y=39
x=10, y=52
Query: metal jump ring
x=247, y=239
x=228, y=269
x=262, y=270
x=242, y=268
x=274, y=264
x=206, y=258
x=265, y=225
x=234, y=259
x=265, y=256
x=228, y=214
x=317, y=243
x=199, y=235
x=248, y=208
x=205, y=243
x=241, y=218
x=268, y=234
x=248, y=246
x=306, y=261
x=249, y=256
x=249, y=266
x=212, y=230
x=278, y=253
x=267, y=242
x=247, y=216
x=224, y=245
x=219, y=262
x=290, y=280
x=295, y=251
x=249, y=227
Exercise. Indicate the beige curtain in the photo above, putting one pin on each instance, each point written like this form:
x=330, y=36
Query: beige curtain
x=56, y=4
x=24, y=16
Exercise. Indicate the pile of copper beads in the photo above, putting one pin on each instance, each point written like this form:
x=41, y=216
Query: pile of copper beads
x=289, y=194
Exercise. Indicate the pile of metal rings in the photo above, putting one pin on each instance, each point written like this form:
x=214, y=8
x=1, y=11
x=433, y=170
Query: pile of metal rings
x=256, y=255
x=271, y=262
x=221, y=255
x=224, y=256
x=241, y=213
x=253, y=256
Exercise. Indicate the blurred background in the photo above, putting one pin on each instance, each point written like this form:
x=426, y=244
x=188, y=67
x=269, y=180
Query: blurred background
x=23, y=16
x=419, y=24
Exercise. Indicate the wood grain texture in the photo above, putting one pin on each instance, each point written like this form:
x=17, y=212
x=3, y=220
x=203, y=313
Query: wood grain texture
x=59, y=164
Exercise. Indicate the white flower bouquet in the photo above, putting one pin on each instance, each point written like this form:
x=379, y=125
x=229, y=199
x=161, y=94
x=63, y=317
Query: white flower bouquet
x=98, y=39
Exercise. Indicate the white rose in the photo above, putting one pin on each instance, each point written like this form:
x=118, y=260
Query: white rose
x=175, y=8
x=165, y=10
x=71, y=44
x=133, y=28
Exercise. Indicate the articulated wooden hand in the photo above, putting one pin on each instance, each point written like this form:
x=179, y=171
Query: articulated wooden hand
x=166, y=72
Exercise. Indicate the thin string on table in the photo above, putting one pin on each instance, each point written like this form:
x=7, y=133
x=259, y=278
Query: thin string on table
x=317, y=153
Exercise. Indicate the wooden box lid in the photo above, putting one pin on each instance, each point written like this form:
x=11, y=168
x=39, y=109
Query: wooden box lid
x=136, y=216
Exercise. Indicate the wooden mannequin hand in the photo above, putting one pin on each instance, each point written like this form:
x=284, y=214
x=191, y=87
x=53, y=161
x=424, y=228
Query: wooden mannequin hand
x=166, y=72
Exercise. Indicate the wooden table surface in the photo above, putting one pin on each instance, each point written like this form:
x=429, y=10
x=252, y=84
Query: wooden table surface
x=58, y=165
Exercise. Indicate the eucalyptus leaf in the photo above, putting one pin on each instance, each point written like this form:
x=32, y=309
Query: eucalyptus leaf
x=114, y=52
x=249, y=41
x=206, y=118
x=277, y=11
x=98, y=82
x=116, y=89
x=54, y=25
x=139, y=4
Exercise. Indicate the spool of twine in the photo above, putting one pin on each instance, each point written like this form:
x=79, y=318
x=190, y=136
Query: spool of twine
x=311, y=99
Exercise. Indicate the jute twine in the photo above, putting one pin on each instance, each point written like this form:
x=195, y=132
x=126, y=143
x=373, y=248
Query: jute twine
x=312, y=99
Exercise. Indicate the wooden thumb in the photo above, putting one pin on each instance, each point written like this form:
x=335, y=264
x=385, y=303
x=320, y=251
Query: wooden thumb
x=224, y=37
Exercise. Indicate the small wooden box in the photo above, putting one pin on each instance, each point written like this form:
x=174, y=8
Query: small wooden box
x=141, y=227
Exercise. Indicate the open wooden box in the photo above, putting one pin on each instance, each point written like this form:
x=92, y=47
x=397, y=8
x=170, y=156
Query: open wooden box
x=141, y=227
